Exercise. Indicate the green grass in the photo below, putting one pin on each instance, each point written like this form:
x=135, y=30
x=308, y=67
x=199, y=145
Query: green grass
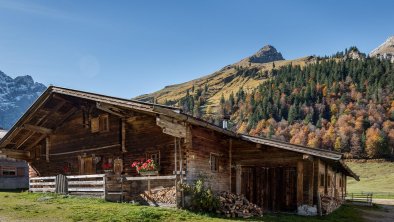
x=374, y=177
x=23, y=206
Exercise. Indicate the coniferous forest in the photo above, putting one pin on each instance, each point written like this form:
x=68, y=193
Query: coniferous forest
x=337, y=103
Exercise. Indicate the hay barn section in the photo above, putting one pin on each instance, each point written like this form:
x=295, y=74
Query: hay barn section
x=75, y=133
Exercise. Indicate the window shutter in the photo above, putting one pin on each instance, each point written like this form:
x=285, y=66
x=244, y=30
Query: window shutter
x=95, y=125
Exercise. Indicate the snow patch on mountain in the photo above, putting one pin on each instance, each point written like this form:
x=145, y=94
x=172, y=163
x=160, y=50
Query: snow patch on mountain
x=16, y=96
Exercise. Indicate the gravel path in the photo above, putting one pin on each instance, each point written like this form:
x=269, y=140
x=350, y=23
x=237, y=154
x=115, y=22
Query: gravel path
x=385, y=214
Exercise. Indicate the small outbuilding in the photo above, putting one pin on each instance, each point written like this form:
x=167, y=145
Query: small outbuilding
x=14, y=174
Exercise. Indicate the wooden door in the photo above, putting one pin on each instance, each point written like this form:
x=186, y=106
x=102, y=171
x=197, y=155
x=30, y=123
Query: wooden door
x=247, y=183
x=273, y=188
x=87, y=166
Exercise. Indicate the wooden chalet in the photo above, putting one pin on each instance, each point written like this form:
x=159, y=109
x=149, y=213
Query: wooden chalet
x=73, y=133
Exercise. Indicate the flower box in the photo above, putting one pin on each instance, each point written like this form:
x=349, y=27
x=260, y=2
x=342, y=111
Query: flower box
x=149, y=173
x=108, y=171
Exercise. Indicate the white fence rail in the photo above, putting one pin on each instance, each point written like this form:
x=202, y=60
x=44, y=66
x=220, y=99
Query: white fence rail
x=78, y=185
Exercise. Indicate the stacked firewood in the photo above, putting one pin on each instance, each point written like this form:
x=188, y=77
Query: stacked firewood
x=329, y=204
x=157, y=195
x=233, y=205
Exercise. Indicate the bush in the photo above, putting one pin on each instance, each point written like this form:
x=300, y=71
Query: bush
x=202, y=197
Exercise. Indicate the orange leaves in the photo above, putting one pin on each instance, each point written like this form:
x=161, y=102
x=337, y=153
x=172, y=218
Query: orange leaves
x=375, y=143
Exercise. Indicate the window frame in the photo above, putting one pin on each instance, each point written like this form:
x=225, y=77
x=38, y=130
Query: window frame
x=149, y=155
x=99, y=124
x=8, y=169
x=214, y=159
x=103, y=118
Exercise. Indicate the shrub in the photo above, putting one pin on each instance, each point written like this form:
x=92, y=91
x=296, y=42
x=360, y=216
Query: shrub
x=202, y=197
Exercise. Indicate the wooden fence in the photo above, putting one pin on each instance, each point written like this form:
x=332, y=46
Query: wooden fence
x=89, y=185
x=360, y=198
x=109, y=187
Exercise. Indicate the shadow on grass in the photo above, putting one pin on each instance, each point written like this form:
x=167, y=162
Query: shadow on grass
x=13, y=190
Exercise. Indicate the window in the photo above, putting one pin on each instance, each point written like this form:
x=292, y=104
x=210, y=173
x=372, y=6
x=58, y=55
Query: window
x=8, y=171
x=322, y=180
x=99, y=124
x=214, y=161
x=155, y=156
x=328, y=180
x=104, y=123
x=340, y=182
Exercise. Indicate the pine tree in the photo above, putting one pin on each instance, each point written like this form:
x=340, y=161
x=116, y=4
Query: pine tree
x=292, y=114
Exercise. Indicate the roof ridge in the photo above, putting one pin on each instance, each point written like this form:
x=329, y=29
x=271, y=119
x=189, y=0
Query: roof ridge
x=53, y=88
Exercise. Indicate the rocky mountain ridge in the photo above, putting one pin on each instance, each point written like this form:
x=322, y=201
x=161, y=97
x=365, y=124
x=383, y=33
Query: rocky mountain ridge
x=385, y=50
x=16, y=96
x=247, y=73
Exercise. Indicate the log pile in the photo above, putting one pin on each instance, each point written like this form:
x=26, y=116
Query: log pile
x=157, y=195
x=233, y=205
x=329, y=204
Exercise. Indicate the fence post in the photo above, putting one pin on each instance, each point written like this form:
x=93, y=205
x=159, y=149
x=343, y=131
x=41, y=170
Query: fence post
x=105, y=186
x=61, y=185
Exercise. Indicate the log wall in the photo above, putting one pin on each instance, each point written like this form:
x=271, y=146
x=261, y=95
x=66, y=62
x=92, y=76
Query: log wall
x=204, y=143
x=73, y=141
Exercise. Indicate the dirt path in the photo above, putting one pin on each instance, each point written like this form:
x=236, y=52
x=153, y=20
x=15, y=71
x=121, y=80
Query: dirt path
x=384, y=214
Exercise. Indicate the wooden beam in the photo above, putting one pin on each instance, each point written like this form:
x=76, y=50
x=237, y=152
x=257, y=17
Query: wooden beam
x=261, y=160
x=311, y=183
x=238, y=179
x=37, y=141
x=176, y=171
x=230, y=153
x=110, y=109
x=50, y=112
x=181, y=170
x=307, y=157
x=39, y=129
x=47, y=147
x=17, y=154
x=86, y=150
x=59, y=97
x=26, y=119
x=26, y=138
x=66, y=116
x=171, y=127
x=123, y=135
x=300, y=184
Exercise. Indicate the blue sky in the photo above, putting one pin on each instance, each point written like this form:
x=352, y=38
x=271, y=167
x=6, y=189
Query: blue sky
x=127, y=48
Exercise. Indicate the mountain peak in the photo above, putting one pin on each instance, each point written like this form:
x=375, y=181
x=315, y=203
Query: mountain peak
x=266, y=54
x=385, y=50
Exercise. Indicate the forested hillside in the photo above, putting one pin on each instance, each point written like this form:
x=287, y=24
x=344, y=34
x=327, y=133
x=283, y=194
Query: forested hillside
x=339, y=103
x=343, y=102
x=346, y=105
